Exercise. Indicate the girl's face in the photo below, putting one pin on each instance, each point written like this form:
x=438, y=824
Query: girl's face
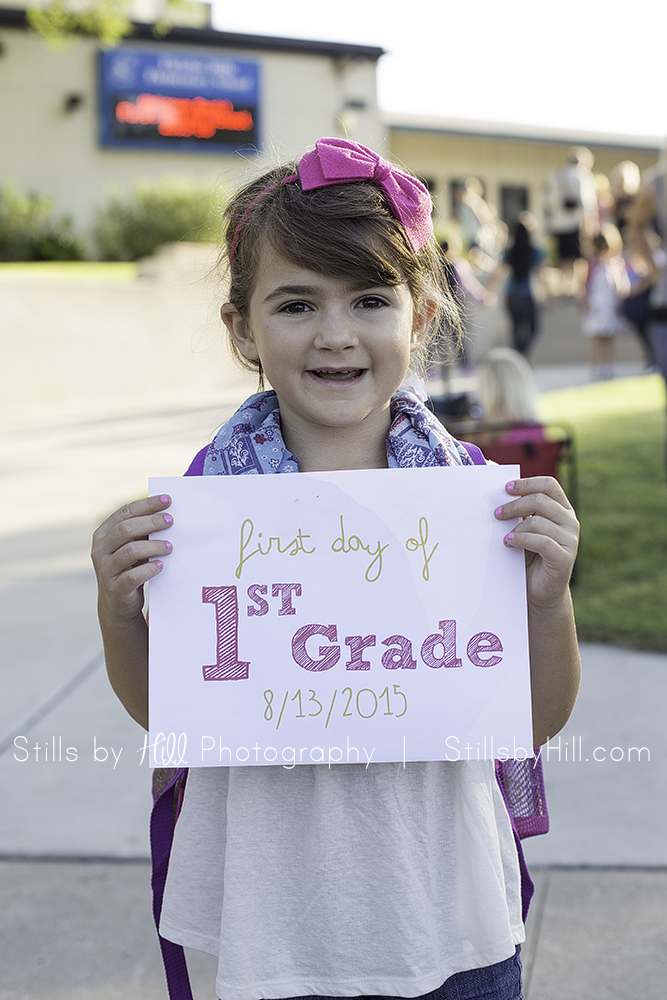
x=334, y=350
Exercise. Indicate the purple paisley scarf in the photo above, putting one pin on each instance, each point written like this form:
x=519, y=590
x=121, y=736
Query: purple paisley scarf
x=251, y=443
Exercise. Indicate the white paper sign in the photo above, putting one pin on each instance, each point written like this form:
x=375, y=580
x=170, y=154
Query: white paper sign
x=339, y=617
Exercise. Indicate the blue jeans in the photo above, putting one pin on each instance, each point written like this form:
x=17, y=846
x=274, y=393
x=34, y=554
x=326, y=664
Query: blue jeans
x=657, y=332
x=523, y=310
x=501, y=981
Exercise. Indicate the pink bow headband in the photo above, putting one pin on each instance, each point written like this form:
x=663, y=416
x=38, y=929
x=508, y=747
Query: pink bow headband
x=339, y=161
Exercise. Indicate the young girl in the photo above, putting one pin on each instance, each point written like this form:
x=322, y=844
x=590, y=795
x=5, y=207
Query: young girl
x=388, y=880
x=606, y=286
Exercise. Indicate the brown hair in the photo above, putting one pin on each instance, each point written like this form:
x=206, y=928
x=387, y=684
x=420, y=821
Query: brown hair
x=343, y=230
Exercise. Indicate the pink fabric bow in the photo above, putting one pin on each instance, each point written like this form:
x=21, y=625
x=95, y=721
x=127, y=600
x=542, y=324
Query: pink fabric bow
x=338, y=161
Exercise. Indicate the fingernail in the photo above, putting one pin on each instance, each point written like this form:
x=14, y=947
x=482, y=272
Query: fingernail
x=509, y=487
x=159, y=563
x=164, y=499
x=168, y=546
x=509, y=538
x=498, y=511
x=168, y=519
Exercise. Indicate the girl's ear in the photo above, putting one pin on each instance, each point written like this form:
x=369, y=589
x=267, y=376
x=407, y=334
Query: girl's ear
x=239, y=331
x=422, y=323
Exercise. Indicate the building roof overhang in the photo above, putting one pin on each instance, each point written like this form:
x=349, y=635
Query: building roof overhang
x=11, y=17
x=519, y=133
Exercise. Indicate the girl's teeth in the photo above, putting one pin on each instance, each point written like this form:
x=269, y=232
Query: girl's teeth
x=338, y=373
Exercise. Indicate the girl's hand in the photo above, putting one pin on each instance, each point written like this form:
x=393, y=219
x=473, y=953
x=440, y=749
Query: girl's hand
x=121, y=552
x=549, y=533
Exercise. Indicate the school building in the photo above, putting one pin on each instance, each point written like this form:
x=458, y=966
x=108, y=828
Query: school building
x=210, y=105
x=197, y=103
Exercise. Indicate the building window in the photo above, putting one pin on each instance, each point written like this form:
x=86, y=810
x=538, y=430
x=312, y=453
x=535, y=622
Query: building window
x=513, y=201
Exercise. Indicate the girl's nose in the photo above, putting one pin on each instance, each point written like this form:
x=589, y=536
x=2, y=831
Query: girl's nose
x=335, y=332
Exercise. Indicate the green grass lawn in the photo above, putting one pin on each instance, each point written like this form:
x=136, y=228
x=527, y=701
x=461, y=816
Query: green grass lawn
x=620, y=592
x=76, y=270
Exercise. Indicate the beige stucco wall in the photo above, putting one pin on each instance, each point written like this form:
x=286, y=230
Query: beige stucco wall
x=444, y=158
x=72, y=349
x=46, y=150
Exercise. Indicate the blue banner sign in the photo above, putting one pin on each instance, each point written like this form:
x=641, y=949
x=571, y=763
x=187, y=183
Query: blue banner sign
x=178, y=101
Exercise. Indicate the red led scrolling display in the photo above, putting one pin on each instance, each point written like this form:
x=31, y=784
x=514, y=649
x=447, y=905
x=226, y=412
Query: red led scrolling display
x=183, y=117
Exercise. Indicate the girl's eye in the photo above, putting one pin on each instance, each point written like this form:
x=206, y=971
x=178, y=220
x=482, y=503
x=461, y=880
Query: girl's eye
x=372, y=302
x=295, y=308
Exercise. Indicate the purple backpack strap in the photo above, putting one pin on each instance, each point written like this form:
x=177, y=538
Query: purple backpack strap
x=168, y=789
x=196, y=467
x=474, y=452
x=527, y=885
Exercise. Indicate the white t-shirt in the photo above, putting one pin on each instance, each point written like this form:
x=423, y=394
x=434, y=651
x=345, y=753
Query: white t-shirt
x=344, y=881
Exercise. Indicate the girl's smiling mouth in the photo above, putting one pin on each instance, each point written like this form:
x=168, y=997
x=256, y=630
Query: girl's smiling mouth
x=338, y=374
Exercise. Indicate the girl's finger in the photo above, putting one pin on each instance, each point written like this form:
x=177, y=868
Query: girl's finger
x=146, y=506
x=133, y=554
x=524, y=533
x=533, y=504
x=121, y=532
x=539, y=484
x=549, y=549
x=126, y=584
x=139, y=527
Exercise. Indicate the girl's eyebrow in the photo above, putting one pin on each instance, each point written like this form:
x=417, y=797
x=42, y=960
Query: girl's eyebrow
x=282, y=290
x=353, y=286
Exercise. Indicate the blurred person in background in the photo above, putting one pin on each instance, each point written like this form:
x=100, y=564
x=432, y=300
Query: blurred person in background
x=482, y=233
x=571, y=209
x=636, y=307
x=648, y=230
x=605, y=199
x=521, y=264
x=607, y=285
x=465, y=289
x=625, y=181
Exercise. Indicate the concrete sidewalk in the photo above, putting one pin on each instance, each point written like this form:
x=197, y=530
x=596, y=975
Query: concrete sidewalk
x=76, y=921
x=82, y=930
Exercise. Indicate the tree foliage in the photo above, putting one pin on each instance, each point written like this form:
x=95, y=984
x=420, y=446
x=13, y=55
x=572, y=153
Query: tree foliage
x=107, y=20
